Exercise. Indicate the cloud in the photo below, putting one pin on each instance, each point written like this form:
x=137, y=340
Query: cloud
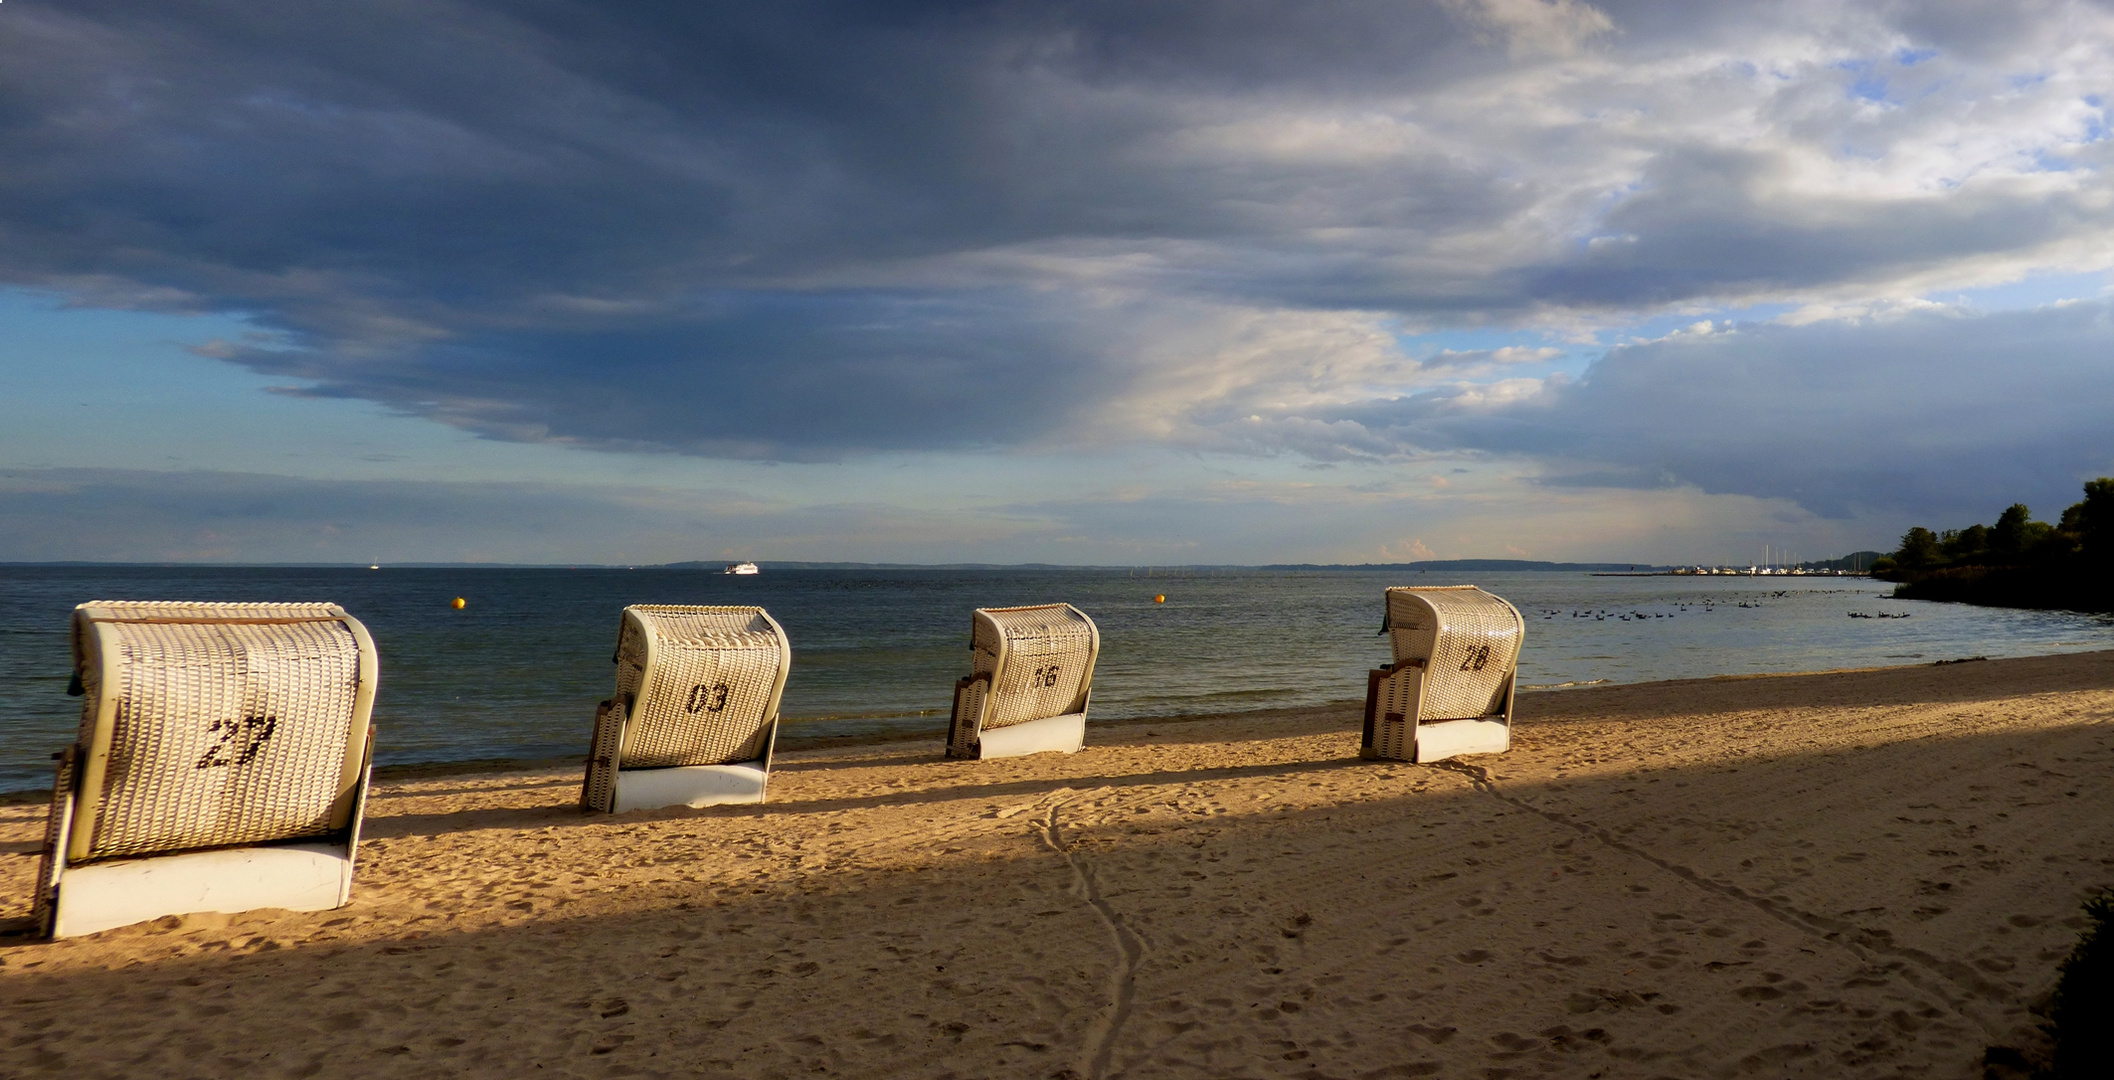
x=804, y=376
x=802, y=231
x=1944, y=415
x=1460, y=360
x=1548, y=27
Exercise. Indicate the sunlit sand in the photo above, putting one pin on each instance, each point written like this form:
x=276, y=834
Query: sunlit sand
x=1854, y=874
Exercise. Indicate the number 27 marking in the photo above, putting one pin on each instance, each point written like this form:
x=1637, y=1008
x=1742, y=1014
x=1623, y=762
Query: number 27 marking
x=245, y=738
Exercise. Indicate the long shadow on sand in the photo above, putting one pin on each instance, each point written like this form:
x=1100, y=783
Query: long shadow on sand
x=1856, y=913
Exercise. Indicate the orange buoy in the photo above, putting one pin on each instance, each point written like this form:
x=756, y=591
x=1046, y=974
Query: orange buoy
x=458, y=604
x=1160, y=599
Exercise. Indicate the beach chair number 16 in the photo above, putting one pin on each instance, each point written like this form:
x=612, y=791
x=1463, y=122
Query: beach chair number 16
x=1475, y=660
x=1044, y=676
x=711, y=698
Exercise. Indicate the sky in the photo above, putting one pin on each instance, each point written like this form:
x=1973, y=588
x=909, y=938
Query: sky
x=1090, y=283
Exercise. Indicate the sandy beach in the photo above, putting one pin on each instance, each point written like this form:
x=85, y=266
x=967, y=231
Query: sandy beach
x=1870, y=873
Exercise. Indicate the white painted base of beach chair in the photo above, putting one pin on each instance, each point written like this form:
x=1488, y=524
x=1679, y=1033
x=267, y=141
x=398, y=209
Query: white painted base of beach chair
x=1060, y=734
x=297, y=877
x=690, y=785
x=1441, y=739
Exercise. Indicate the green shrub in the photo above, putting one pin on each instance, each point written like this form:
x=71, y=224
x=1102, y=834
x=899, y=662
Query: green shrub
x=2084, y=1000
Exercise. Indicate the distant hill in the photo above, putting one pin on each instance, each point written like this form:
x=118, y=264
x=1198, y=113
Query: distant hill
x=1472, y=566
x=777, y=565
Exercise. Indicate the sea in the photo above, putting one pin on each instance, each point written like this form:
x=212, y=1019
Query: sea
x=516, y=672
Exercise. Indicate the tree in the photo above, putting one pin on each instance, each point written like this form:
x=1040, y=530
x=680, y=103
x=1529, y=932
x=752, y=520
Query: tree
x=1964, y=543
x=2095, y=519
x=2009, y=535
x=1919, y=548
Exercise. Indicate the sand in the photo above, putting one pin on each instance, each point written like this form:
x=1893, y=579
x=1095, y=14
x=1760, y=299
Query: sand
x=1853, y=874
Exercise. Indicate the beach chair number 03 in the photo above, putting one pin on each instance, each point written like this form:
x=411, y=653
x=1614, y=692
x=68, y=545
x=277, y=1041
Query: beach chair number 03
x=711, y=698
x=695, y=714
x=1033, y=672
x=1450, y=688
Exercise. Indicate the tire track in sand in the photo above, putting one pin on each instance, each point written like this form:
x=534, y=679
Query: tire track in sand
x=1108, y=1022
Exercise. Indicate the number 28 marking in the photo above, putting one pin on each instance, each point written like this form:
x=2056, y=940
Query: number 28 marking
x=1476, y=659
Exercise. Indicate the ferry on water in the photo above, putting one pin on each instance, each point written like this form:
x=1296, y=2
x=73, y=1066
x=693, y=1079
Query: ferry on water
x=741, y=568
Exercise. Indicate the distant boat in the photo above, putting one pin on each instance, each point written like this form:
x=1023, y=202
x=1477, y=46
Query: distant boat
x=742, y=568
x=376, y=566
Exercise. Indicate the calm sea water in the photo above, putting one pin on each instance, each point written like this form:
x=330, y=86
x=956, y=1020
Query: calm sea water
x=518, y=671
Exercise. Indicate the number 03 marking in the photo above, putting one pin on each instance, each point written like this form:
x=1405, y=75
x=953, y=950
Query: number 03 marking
x=704, y=698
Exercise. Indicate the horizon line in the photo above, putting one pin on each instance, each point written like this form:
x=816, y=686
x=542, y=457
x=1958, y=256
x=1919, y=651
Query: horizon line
x=792, y=564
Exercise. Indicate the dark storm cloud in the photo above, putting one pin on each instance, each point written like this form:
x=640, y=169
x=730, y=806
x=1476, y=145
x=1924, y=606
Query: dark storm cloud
x=1952, y=417
x=788, y=376
x=800, y=230
x=1713, y=222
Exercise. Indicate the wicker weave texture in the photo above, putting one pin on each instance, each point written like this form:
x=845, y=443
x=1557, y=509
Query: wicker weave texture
x=1049, y=656
x=599, y=790
x=231, y=727
x=1467, y=641
x=708, y=694
x=961, y=727
x=54, y=855
x=1392, y=738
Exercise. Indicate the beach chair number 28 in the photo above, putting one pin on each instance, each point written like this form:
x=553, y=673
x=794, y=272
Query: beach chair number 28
x=1044, y=676
x=711, y=698
x=244, y=739
x=1475, y=660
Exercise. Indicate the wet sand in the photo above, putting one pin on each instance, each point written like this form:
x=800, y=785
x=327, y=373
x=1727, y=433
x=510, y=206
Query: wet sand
x=1853, y=874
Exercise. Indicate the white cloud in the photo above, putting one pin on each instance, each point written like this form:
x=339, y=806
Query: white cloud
x=1535, y=27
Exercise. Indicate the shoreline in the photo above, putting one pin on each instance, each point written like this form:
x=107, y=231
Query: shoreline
x=791, y=743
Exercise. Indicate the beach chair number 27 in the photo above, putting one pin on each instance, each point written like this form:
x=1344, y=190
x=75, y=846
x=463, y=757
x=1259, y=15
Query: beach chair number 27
x=244, y=739
x=1476, y=659
x=711, y=698
x=1044, y=676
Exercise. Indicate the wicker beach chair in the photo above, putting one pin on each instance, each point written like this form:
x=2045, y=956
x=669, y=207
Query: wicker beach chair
x=1449, y=690
x=696, y=710
x=221, y=765
x=1033, y=673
